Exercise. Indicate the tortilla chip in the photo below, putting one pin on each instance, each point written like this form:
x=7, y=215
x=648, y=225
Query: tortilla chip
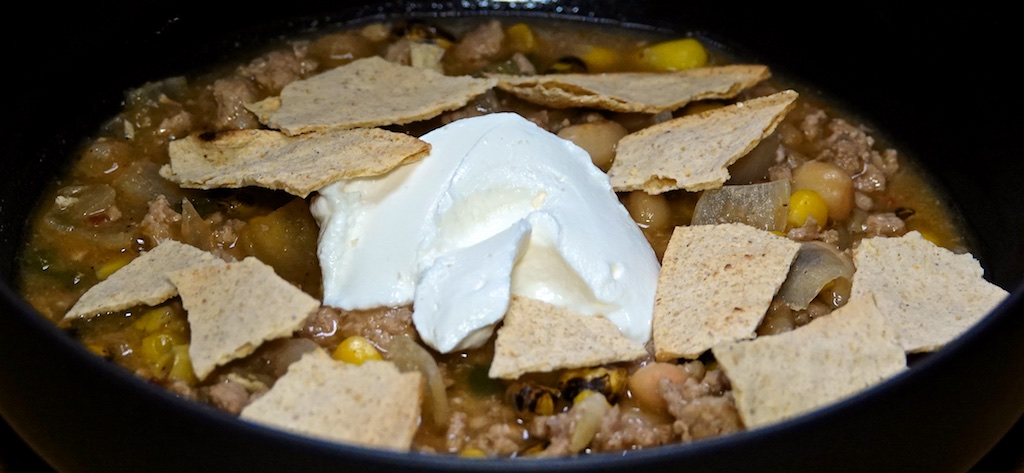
x=538, y=337
x=233, y=308
x=928, y=293
x=777, y=377
x=372, y=404
x=298, y=165
x=143, y=281
x=640, y=92
x=693, y=152
x=716, y=284
x=367, y=92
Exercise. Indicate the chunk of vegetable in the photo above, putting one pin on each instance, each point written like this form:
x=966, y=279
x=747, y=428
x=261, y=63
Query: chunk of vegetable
x=831, y=182
x=644, y=384
x=758, y=205
x=356, y=350
x=816, y=265
x=675, y=55
x=804, y=204
x=411, y=356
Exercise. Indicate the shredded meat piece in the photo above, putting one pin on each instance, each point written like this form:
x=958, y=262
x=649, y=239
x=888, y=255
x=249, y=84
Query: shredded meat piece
x=177, y=125
x=160, y=223
x=810, y=231
x=702, y=407
x=231, y=94
x=629, y=429
x=557, y=429
x=884, y=224
x=378, y=325
x=501, y=440
x=478, y=47
x=279, y=68
x=229, y=395
x=455, y=438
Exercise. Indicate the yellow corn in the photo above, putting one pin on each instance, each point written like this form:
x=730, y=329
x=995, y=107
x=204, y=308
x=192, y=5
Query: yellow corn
x=675, y=55
x=181, y=367
x=521, y=38
x=805, y=203
x=154, y=319
x=599, y=59
x=108, y=268
x=356, y=350
x=472, y=453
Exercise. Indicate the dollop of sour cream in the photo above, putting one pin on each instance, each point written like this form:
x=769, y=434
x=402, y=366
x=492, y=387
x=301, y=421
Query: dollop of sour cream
x=500, y=206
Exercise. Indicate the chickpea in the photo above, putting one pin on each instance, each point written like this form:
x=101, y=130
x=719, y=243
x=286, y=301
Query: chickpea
x=643, y=384
x=652, y=212
x=830, y=182
x=598, y=138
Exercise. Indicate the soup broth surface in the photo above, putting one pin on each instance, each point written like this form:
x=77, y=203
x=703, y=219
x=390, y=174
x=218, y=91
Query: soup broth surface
x=112, y=205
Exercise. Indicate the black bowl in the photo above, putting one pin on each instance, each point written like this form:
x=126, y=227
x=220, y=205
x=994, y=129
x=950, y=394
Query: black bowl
x=939, y=86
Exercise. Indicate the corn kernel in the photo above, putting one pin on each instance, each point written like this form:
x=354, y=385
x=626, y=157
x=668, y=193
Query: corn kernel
x=675, y=55
x=181, y=367
x=599, y=59
x=582, y=395
x=521, y=38
x=155, y=347
x=545, y=406
x=356, y=350
x=108, y=268
x=806, y=203
x=154, y=320
x=472, y=453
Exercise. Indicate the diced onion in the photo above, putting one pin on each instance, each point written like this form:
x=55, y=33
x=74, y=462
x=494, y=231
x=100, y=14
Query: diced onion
x=816, y=265
x=588, y=413
x=759, y=205
x=408, y=356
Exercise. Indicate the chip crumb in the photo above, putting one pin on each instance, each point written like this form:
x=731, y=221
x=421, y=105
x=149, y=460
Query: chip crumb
x=834, y=356
x=367, y=92
x=634, y=92
x=372, y=404
x=298, y=165
x=693, y=152
x=716, y=284
x=537, y=337
x=930, y=294
x=143, y=281
x=233, y=308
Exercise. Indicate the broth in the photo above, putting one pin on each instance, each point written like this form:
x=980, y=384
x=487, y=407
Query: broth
x=112, y=205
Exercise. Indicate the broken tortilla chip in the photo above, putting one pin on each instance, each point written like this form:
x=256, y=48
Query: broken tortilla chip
x=929, y=294
x=716, y=284
x=538, y=337
x=693, y=152
x=367, y=92
x=633, y=92
x=834, y=356
x=298, y=165
x=233, y=308
x=372, y=404
x=143, y=281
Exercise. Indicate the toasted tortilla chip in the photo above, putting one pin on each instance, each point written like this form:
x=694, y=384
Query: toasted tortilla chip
x=693, y=152
x=642, y=92
x=777, y=377
x=367, y=92
x=233, y=308
x=298, y=165
x=143, y=281
x=716, y=284
x=538, y=337
x=372, y=404
x=928, y=293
